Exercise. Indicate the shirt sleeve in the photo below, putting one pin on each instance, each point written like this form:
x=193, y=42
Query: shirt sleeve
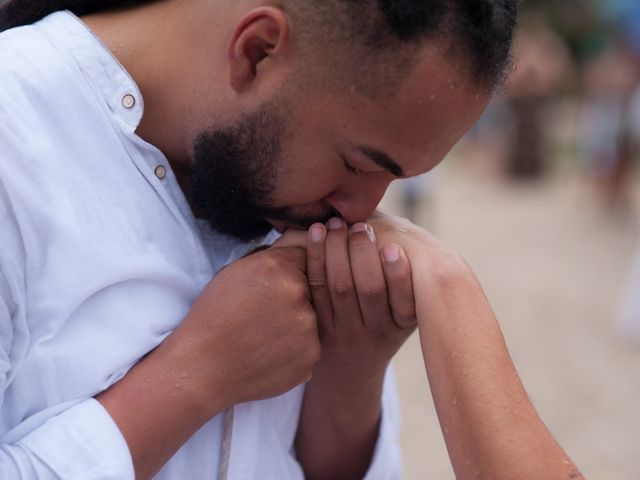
x=386, y=463
x=82, y=442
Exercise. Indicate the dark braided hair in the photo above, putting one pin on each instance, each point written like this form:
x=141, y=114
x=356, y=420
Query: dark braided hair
x=480, y=30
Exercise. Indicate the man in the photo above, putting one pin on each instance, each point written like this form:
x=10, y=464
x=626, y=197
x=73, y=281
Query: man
x=118, y=127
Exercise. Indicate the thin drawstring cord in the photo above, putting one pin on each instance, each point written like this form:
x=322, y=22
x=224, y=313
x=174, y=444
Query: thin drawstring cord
x=225, y=448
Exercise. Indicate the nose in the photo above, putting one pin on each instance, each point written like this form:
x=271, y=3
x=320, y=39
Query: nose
x=357, y=201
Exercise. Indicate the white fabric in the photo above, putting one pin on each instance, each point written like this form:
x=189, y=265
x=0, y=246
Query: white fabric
x=100, y=259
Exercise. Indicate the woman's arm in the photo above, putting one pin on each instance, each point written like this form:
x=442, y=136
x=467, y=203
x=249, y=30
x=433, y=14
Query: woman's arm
x=489, y=424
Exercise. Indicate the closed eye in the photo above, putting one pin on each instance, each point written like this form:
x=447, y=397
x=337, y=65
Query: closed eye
x=351, y=169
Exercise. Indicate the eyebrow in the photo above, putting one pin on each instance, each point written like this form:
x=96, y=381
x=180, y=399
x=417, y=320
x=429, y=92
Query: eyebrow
x=383, y=160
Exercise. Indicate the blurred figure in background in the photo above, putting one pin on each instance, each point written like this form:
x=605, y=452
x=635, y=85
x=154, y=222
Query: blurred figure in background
x=629, y=321
x=513, y=136
x=544, y=69
x=605, y=144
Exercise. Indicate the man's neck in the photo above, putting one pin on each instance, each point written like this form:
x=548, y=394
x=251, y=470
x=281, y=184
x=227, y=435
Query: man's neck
x=155, y=44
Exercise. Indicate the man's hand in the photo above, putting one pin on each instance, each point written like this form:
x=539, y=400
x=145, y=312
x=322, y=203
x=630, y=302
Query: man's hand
x=256, y=321
x=250, y=335
x=365, y=305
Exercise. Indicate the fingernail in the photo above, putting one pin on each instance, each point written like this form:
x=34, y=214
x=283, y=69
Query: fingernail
x=317, y=233
x=364, y=227
x=391, y=253
x=334, y=224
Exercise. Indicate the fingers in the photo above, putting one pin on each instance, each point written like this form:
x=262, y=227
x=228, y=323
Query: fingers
x=317, y=274
x=349, y=284
x=397, y=272
x=341, y=287
x=368, y=276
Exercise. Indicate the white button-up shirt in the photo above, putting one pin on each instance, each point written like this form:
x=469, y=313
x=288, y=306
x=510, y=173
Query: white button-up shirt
x=100, y=259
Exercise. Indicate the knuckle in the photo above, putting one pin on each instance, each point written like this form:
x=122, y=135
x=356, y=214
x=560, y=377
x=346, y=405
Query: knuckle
x=308, y=322
x=372, y=290
x=269, y=265
x=298, y=290
x=342, y=288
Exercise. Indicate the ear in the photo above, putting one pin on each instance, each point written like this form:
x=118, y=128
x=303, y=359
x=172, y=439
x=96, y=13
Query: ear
x=259, y=47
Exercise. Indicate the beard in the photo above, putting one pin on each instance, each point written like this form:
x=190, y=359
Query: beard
x=233, y=175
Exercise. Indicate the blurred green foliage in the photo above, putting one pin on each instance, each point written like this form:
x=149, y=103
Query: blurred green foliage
x=588, y=26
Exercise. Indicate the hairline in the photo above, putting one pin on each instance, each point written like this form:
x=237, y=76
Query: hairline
x=368, y=68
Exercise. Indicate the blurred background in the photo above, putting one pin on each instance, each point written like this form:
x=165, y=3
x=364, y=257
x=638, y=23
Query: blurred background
x=543, y=199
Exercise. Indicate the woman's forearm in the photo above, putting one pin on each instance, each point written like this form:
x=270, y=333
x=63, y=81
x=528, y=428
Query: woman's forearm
x=490, y=427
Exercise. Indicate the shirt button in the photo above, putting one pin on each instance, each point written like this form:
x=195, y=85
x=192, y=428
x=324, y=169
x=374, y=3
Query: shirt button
x=128, y=101
x=161, y=172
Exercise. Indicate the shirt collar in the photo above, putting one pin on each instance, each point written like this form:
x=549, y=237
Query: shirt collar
x=119, y=90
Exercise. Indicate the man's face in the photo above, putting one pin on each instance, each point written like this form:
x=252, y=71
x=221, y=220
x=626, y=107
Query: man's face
x=303, y=160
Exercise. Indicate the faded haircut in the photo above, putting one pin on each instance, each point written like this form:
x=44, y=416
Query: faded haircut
x=368, y=43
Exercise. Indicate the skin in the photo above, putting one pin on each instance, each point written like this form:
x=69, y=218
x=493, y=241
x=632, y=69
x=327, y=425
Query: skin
x=224, y=59
x=490, y=427
x=357, y=312
x=219, y=356
x=254, y=59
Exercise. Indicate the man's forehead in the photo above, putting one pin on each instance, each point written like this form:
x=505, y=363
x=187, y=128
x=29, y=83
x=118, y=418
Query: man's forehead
x=409, y=134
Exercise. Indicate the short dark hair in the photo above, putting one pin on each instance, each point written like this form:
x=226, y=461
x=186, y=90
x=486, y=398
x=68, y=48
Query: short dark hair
x=480, y=31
